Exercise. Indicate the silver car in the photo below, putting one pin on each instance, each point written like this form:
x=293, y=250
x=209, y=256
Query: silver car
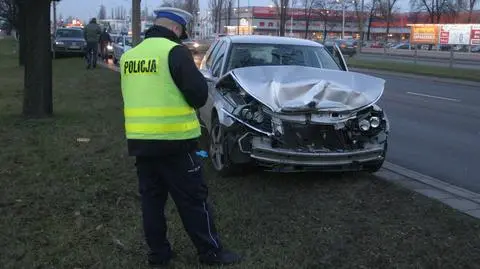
x=68, y=41
x=120, y=45
x=287, y=104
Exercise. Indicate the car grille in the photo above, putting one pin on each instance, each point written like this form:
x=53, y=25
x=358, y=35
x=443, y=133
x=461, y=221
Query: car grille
x=314, y=136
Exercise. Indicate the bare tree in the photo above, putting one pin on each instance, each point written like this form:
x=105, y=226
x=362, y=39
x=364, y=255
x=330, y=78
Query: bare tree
x=325, y=9
x=173, y=3
x=308, y=6
x=372, y=8
x=216, y=8
x=8, y=11
x=282, y=8
x=435, y=8
x=469, y=6
x=229, y=8
x=386, y=8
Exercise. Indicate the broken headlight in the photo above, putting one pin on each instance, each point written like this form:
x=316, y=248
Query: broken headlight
x=374, y=122
x=250, y=115
x=277, y=127
x=364, y=125
x=370, y=121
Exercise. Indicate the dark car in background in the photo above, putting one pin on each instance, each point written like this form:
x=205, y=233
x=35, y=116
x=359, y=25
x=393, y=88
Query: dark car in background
x=347, y=47
x=68, y=41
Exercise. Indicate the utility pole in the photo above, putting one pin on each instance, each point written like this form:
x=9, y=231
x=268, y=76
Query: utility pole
x=136, y=27
x=362, y=25
x=343, y=19
x=54, y=3
x=291, y=20
x=238, y=17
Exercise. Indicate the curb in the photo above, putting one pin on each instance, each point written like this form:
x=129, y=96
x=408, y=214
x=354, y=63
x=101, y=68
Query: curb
x=474, y=84
x=463, y=200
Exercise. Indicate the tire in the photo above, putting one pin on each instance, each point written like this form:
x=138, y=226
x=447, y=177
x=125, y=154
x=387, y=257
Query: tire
x=219, y=151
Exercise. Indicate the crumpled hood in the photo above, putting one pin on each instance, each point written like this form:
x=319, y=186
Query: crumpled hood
x=298, y=88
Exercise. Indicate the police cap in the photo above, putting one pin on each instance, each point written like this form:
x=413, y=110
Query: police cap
x=177, y=15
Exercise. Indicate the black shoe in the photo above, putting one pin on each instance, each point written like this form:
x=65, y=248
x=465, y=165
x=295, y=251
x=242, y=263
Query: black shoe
x=159, y=262
x=222, y=257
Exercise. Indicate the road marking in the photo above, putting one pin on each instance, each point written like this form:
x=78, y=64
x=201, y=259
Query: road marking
x=433, y=96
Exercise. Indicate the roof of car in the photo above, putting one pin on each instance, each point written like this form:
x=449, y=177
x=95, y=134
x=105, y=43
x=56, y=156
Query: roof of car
x=262, y=39
x=69, y=28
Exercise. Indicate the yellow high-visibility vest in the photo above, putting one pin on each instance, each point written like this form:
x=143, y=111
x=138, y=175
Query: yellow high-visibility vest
x=154, y=107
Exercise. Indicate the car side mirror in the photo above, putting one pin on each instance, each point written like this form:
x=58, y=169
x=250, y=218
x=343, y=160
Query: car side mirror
x=207, y=75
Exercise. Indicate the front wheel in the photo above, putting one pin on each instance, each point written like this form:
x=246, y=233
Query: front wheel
x=219, y=150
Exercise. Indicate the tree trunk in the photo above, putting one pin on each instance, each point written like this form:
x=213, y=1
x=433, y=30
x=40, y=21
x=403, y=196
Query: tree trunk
x=324, y=30
x=136, y=22
x=307, y=24
x=37, y=100
x=369, y=27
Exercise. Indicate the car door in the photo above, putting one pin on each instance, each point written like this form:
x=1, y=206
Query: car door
x=118, y=47
x=338, y=55
x=212, y=64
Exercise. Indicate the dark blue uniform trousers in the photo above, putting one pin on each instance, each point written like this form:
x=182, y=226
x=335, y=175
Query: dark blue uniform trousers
x=181, y=176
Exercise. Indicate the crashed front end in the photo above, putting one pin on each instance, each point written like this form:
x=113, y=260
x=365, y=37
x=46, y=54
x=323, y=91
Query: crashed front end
x=292, y=118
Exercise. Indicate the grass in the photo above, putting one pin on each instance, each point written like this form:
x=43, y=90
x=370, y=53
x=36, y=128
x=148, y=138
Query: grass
x=427, y=70
x=70, y=204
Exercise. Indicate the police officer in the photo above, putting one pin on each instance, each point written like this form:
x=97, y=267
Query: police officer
x=161, y=88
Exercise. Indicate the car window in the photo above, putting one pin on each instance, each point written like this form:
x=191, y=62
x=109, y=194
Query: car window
x=212, y=55
x=69, y=33
x=243, y=55
x=218, y=60
x=128, y=41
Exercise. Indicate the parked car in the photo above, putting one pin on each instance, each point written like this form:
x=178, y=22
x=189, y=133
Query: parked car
x=68, y=41
x=347, y=47
x=475, y=49
x=121, y=44
x=286, y=104
x=403, y=46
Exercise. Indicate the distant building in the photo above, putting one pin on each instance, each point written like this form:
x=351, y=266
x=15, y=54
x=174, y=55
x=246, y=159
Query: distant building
x=262, y=20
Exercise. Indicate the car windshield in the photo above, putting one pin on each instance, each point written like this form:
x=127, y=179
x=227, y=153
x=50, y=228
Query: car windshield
x=243, y=55
x=69, y=33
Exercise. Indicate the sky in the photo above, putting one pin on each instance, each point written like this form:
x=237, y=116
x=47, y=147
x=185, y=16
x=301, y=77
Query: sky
x=85, y=9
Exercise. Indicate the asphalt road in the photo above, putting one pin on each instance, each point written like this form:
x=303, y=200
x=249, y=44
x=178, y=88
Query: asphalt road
x=435, y=128
x=473, y=64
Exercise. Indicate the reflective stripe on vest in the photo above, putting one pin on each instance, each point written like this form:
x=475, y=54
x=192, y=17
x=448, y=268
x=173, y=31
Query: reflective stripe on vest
x=154, y=107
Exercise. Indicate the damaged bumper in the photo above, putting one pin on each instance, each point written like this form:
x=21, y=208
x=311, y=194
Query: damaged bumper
x=262, y=151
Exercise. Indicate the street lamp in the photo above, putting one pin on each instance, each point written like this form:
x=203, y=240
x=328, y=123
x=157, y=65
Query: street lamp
x=343, y=16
